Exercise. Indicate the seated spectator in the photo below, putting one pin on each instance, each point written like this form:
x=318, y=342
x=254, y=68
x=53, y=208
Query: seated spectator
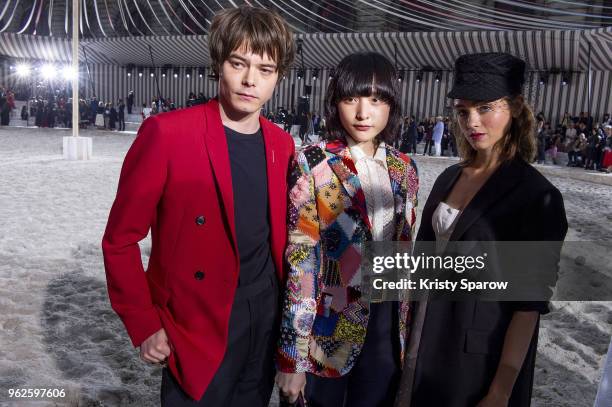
x=567, y=120
x=146, y=111
x=575, y=153
x=570, y=135
x=552, y=148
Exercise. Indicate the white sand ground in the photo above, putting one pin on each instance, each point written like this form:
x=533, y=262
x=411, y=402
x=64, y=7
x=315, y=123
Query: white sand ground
x=57, y=327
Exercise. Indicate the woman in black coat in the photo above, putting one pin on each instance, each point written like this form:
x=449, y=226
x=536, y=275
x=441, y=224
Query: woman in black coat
x=477, y=353
x=112, y=119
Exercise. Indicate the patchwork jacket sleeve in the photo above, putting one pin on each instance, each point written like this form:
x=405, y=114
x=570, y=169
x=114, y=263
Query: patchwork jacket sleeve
x=303, y=258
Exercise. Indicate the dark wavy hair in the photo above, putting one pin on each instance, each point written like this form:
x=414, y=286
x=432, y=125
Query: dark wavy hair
x=362, y=74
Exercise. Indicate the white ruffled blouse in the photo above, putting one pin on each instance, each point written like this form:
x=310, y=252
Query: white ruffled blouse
x=373, y=176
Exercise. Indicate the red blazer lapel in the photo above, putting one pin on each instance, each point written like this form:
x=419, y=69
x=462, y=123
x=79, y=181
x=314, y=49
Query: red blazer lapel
x=273, y=158
x=216, y=146
x=279, y=152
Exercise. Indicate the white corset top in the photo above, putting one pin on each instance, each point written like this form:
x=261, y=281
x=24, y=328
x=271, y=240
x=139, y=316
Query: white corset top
x=444, y=220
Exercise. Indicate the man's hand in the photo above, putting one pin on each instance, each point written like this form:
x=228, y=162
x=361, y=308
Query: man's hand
x=291, y=385
x=155, y=349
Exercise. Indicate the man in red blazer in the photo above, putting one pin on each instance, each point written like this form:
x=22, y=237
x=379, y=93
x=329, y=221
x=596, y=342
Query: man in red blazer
x=210, y=184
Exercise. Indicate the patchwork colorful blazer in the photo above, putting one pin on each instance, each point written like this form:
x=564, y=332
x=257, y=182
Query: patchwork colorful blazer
x=324, y=317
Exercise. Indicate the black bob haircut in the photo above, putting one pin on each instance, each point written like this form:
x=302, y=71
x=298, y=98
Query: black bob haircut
x=362, y=74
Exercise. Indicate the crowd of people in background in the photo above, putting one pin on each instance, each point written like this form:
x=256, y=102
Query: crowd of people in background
x=305, y=125
x=587, y=142
x=434, y=132
x=161, y=105
x=54, y=109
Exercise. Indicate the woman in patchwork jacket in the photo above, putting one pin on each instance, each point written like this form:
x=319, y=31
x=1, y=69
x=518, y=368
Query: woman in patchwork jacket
x=336, y=348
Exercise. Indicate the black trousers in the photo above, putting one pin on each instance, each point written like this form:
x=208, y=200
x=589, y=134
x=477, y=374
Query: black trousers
x=428, y=145
x=373, y=380
x=246, y=375
x=412, y=146
x=121, y=123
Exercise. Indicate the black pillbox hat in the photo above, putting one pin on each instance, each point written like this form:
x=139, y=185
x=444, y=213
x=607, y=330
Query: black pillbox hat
x=487, y=76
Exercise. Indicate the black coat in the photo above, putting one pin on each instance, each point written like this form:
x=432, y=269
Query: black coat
x=461, y=342
x=112, y=118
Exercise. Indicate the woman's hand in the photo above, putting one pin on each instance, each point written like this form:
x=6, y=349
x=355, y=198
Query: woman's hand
x=291, y=385
x=494, y=399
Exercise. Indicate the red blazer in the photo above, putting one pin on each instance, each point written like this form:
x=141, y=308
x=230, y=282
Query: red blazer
x=176, y=180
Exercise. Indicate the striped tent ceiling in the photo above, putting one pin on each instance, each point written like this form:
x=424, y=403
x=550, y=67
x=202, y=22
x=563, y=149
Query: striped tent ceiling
x=121, y=18
x=543, y=50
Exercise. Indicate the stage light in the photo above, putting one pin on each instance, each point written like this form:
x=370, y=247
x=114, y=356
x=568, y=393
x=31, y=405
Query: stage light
x=331, y=73
x=151, y=74
x=315, y=74
x=419, y=77
x=438, y=76
x=565, y=78
x=23, y=70
x=400, y=75
x=201, y=72
x=176, y=75
x=140, y=74
x=166, y=70
x=48, y=71
x=129, y=74
x=300, y=74
x=176, y=72
x=67, y=73
x=543, y=78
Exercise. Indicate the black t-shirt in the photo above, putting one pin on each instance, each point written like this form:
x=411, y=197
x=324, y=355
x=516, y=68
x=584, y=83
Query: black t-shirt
x=247, y=156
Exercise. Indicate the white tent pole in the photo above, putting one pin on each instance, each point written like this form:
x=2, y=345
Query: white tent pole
x=75, y=68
